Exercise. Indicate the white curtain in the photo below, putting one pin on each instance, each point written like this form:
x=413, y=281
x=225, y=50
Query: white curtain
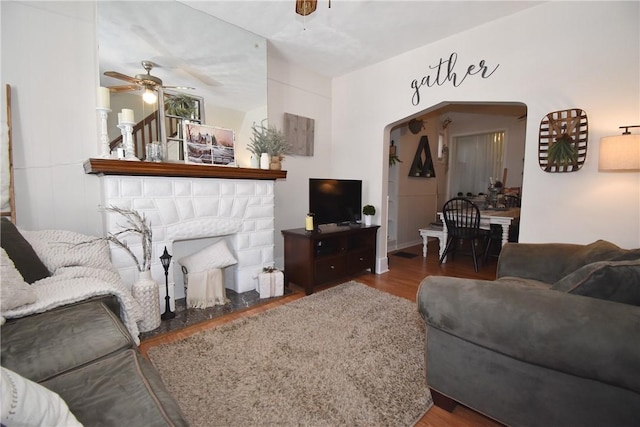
x=475, y=159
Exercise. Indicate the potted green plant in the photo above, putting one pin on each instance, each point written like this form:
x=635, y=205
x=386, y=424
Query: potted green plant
x=368, y=211
x=270, y=141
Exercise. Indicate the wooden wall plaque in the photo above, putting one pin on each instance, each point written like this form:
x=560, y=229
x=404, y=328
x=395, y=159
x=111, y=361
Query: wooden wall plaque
x=299, y=133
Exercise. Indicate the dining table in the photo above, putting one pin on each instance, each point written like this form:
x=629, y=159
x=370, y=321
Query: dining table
x=503, y=217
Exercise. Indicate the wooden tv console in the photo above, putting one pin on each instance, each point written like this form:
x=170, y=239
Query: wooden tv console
x=331, y=253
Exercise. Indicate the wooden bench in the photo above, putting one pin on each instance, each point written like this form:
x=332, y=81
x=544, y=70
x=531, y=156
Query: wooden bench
x=432, y=231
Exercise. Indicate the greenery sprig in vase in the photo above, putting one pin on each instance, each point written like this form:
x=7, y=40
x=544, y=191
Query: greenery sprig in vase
x=268, y=139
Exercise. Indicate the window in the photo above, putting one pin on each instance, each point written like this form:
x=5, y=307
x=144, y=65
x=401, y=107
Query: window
x=475, y=159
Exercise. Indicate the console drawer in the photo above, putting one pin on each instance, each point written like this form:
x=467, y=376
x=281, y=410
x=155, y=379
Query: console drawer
x=329, y=269
x=360, y=260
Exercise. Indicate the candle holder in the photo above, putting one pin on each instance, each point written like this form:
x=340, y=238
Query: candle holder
x=129, y=149
x=165, y=259
x=104, y=136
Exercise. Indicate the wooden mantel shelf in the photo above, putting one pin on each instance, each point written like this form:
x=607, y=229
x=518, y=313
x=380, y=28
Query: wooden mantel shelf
x=125, y=167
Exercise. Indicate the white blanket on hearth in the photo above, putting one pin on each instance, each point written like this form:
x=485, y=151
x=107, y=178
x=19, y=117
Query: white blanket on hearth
x=81, y=269
x=206, y=289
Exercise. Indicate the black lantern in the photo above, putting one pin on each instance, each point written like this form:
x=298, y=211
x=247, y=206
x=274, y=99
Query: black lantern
x=165, y=259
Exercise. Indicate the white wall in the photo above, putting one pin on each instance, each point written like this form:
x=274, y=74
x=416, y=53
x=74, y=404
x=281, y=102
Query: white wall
x=596, y=69
x=303, y=93
x=49, y=59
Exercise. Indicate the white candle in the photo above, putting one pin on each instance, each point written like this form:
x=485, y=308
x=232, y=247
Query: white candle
x=127, y=115
x=119, y=118
x=104, y=98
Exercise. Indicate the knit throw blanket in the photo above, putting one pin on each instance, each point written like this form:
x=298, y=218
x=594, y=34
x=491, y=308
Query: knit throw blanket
x=80, y=268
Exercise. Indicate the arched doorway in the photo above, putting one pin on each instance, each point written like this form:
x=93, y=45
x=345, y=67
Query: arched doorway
x=414, y=201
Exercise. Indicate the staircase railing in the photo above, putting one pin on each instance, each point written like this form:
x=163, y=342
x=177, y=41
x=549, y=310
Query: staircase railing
x=144, y=131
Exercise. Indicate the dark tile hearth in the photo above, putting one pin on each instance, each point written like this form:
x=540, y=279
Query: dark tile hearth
x=191, y=316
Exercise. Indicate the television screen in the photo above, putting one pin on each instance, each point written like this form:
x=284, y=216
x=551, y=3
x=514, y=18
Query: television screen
x=336, y=201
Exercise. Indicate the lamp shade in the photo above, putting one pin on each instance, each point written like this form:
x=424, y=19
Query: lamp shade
x=620, y=153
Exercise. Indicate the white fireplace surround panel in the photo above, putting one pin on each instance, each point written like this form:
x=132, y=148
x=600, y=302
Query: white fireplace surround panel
x=179, y=209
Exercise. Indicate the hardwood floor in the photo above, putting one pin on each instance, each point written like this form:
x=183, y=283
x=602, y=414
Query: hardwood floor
x=402, y=279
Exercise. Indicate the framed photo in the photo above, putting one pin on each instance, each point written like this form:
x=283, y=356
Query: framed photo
x=209, y=145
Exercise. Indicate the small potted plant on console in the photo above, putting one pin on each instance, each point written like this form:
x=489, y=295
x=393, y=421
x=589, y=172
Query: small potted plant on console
x=368, y=211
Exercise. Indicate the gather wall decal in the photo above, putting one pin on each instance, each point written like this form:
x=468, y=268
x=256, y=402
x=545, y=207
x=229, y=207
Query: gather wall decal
x=444, y=71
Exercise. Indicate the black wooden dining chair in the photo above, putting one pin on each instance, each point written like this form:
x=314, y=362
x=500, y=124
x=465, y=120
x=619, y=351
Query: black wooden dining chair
x=494, y=238
x=462, y=218
x=510, y=201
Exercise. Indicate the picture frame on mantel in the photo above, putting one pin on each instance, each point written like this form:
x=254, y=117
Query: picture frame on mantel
x=209, y=145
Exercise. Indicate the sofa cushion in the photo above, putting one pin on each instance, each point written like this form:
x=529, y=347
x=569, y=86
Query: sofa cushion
x=21, y=253
x=25, y=403
x=15, y=291
x=600, y=250
x=44, y=345
x=519, y=281
x=121, y=390
x=608, y=280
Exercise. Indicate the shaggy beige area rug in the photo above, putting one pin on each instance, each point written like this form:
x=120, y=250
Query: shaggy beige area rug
x=347, y=356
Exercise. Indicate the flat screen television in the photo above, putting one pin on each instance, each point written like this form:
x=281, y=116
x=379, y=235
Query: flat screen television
x=335, y=201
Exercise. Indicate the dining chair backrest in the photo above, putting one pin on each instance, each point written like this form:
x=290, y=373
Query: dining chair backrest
x=462, y=217
x=511, y=201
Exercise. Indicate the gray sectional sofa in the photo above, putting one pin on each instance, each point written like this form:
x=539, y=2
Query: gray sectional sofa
x=82, y=351
x=554, y=341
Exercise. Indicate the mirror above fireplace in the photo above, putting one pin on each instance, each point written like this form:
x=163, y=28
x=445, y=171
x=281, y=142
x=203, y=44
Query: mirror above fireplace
x=225, y=64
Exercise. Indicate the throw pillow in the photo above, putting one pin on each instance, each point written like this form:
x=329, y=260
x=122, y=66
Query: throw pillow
x=617, y=281
x=22, y=254
x=214, y=256
x=15, y=291
x=63, y=248
x=26, y=403
x=600, y=250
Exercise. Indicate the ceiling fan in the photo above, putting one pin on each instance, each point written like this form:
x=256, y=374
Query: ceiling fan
x=147, y=81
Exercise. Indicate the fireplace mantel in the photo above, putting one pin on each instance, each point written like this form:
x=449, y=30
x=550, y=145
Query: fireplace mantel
x=131, y=168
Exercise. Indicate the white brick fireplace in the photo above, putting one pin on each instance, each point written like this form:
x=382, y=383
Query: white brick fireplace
x=185, y=208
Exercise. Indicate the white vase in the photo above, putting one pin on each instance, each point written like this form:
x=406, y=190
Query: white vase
x=145, y=291
x=265, y=161
x=255, y=161
x=367, y=219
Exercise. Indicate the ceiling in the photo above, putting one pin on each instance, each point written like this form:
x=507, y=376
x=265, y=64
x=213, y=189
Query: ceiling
x=352, y=34
x=349, y=35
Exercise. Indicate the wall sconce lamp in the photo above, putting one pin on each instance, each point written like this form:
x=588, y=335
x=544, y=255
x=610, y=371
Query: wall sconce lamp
x=149, y=96
x=621, y=152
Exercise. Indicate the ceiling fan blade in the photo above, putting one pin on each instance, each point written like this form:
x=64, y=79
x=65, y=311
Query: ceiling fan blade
x=179, y=87
x=127, y=88
x=117, y=75
x=209, y=81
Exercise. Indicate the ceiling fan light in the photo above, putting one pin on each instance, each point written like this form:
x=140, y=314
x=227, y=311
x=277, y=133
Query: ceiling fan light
x=149, y=96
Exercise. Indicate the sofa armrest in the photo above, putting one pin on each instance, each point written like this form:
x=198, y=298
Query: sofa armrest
x=545, y=262
x=581, y=336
